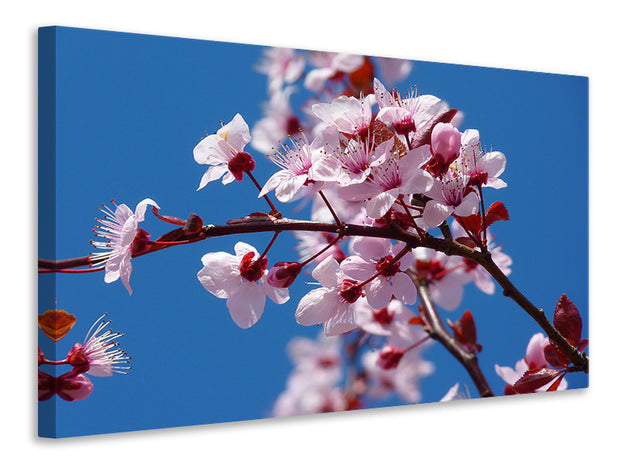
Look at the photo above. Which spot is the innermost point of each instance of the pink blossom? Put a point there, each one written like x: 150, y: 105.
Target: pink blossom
x: 394, y: 177
x: 328, y: 65
x: 534, y: 358
x: 350, y: 115
x: 303, y: 164
x: 483, y: 170
x: 404, y: 380
x: 224, y: 152
x: 449, y: 195
x: 406, y: 114
x: 309, y: 243
x: 374, y: 255
x: 331, y: 303
x: 444, y: 274
x: 383, y: 321
x: 394, y: 69
x: 282, y: 66
x: 120, y: 228
x: 477, y: 273
x: 278, y: 123
x: 99, y: 356
x: 241, y: 279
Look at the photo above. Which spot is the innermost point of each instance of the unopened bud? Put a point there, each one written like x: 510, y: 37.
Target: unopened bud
x: 283, y: 274
x: 72, y: 386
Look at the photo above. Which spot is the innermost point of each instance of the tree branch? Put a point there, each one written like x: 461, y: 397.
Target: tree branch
x: 437, y: 331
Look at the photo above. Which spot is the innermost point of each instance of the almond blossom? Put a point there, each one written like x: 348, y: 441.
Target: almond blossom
x: 120, y: 228
x: 224, y: 151
x: 241, y: 279
x: 383, y: 321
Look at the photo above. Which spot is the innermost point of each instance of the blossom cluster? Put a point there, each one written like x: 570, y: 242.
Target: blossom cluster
x: 355, y: 154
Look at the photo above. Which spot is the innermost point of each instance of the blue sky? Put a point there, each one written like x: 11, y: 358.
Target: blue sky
x: 130, y: 109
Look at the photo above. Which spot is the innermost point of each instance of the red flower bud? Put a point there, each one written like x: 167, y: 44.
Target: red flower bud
x: 283, y: 274
x: 241, y: 163
x: 389, y: 357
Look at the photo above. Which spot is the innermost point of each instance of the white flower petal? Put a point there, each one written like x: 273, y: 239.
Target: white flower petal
x: 246, y: 304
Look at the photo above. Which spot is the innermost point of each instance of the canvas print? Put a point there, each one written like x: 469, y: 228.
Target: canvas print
x: 235, y: 232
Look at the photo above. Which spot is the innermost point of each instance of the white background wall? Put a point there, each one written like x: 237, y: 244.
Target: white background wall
x: 559, y: 37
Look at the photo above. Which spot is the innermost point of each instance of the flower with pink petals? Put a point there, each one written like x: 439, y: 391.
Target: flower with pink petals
x: 449, y: 195
x: 483, y: 170
x: 444, y: 274
x: 282, y: 66
x: 328, y: 65
x: 99, y: 356
x: 224, y: 151
x: 374, y: 255
x: 120, y: 228
x: 383, y: 321
x: 406, y: 114
x: 394, y: 177
x: 241, y: 279
x: 477, y: 273
x: 534, y: 358
x: 331, y: 303
x: 278, y: 123
x: 302, y: 165
x: 350, y: 115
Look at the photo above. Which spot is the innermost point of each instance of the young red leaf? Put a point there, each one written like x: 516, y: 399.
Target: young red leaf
x: 467, y: 242
x: 465, y: 332
x: 496, y: 212
x: 168, y: 219
x: 567, y: 320
x: 555, y: 358
x: 534, y: 379
x: 556, y: 383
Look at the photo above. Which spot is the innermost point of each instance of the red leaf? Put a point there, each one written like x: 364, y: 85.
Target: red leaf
x: 465, y: 331
x: 567, y: 320
x: 555, y: 358
x: 556, y: 383
x: 534, y: 379
x: 496, y: 212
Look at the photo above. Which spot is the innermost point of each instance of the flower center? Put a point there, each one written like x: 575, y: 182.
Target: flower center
x: 350, y: 291
x: 241, y: 163
x: 432, y: 270
x: 383, y: 316
x: 386, y: 268
x: 252, y: 270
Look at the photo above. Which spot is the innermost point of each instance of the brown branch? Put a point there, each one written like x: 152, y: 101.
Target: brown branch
x: 448, y: 247
x: 437, y: 330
